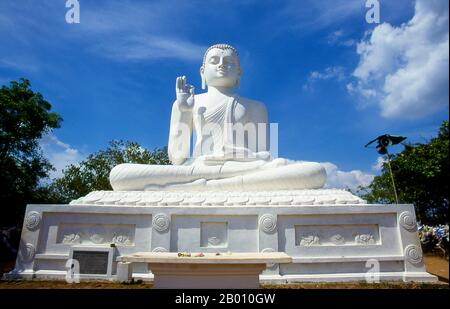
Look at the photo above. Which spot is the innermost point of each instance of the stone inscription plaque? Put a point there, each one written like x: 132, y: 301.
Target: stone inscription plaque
x: 92, y: 262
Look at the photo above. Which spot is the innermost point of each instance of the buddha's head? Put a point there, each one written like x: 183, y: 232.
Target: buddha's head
x: 220, y: 67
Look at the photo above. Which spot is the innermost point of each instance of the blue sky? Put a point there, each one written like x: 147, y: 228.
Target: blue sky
x: 331, y: 80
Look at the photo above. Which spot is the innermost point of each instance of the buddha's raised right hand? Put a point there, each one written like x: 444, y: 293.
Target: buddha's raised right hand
x: 185, y: 94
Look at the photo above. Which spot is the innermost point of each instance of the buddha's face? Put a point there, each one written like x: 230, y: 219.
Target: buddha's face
x: 221, y: 68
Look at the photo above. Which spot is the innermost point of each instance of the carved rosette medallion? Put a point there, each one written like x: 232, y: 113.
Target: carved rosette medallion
x: 413, y: 254
x: 161, y: 222
x: 33, y: 220
x: 407, y: 221
x: 268, y: 223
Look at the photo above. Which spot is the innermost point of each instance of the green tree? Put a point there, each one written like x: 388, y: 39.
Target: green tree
x: 421, y: 173
x: 24, y: 117
x: 93, y: 173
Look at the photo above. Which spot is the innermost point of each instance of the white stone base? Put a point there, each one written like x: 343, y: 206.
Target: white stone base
x: 203, y: 271
x: 207, y: 276
x: 328, y: 241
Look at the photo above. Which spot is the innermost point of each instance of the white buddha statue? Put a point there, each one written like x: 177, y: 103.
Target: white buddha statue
x: 231, y: 141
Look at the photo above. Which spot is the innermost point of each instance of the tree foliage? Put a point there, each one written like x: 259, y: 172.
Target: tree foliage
x: 93, y: 173
x: 24, y: 117
x: 421, y: 173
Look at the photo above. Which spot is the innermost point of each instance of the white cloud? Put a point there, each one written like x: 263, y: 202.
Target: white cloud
x: 335, y: 72
x: 124, y: 31
x: 19, y: 63
x: 146, y: 47
x: 379, y: 164
x: 339, y: 38
x: 329, y: 73
x: 311, y: 15
x: 405, y: 69
x: 345, y: 180
x: 334, y: 37
x: 359, y: 89
x: 348, y: 42
x: 58, y: 153
x: 118, y: 30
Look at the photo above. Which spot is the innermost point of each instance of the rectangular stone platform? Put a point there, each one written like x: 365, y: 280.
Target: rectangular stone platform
x: 328, y: 241
x: 209, y: 271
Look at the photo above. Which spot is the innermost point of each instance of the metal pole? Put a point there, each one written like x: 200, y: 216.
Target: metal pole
x: 392, y: 175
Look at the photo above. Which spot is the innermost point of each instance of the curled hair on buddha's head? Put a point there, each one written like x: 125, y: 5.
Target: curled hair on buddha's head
x: 220, y: 46
x: 224, y: 47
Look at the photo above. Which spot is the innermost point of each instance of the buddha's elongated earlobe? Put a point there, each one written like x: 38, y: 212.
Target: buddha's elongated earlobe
x: 203, y: 78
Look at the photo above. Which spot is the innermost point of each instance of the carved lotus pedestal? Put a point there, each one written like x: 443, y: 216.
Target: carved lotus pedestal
x: 331, y: 235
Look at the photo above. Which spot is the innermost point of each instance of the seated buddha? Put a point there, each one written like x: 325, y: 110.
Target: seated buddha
x: 231, y: 143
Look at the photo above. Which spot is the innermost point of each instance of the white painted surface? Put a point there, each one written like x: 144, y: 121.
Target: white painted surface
x: 251, y: 228
x: 208, y: 271
x: 207, y: 258
x: 124, y: 271
x: 232, y: 147
x: 207, y: 276
x: 221, y: 198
